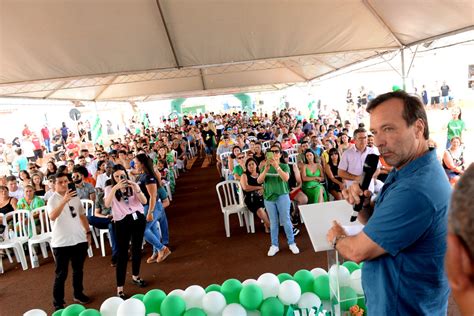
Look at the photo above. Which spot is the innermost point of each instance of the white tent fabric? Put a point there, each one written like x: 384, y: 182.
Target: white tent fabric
x: 150, y: 49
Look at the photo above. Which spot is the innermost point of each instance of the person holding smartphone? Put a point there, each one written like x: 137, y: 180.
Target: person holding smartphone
x: 274, y: 176
x: 126, y: 200
x: 70, y: 239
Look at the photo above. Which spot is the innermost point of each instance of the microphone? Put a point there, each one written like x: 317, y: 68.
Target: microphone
x: 370, y: 166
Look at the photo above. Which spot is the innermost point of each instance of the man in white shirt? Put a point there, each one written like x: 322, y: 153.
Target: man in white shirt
x: 14, y: 190
x: 352, y: 161
x: 70, y: 240
x: 103, y: 177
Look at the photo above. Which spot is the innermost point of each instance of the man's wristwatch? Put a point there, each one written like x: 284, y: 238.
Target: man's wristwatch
x: 336, y: 239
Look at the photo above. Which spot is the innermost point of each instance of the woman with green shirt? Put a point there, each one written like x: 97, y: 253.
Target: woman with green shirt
x: 274, y: 177
x: 456, y: 126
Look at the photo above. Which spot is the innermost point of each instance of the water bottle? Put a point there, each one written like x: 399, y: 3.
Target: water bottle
x: 11, y: 234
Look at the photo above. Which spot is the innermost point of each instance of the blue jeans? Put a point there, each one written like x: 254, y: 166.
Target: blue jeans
x: 445, y: 100
x: 47, y: 144
x: 152, y: 234
x: 105, y: 223
x: 279, y: 212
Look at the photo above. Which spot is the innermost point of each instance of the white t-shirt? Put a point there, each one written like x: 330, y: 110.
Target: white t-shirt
x: 18, y: 194
x: 67, y: 230
x: 101, y: 180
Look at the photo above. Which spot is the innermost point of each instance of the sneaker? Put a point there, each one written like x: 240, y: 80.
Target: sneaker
x: 163, y: 254
x: 139, y: 282
x: 294, y: 249
x: 296, y: 231
x: 122, y: 295
x: 82, y: 299
x: 272, y: 251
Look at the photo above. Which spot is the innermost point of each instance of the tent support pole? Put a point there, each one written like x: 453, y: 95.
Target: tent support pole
x: 412, y: 60
x: 402, y: 52
x: 202, y: 80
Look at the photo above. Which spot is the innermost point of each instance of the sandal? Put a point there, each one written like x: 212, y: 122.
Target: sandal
x: 122, y: 295
x: 152, y: 259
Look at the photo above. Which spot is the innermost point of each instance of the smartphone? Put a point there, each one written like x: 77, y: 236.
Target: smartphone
x: 71, y: 186
x: 269, y: 155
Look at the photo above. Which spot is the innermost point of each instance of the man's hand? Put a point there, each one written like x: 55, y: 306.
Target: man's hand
x: 353, y: 193
x: 69, y: 195
x: 334, y: 231
x: 89, y: 239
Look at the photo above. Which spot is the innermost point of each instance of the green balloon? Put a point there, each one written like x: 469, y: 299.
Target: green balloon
x: 305, y: 279
x: 348, y: 298
x: 251, y: 296
x: 321, y: 287
x: 173, y: 306
x: 231, y: 290
x: 195, y: 312
x: 139, y: 296
x: 361, y: 303
x: 361, y: 264
x: 351, y: 266
x: 59, y: 312
x: 272, y: 307
x: 153, y: 300
x: 90, y: 312
x: 213, y: 287
x: 396, y: 88
x: 284, y: 276
x: 73, y: 310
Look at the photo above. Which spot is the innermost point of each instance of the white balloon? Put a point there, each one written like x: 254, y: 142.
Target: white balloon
x: 234, y: 310
x: 318, y: 271
x: 153, y: 314
x: 131, y: 307
x: 309, y: 300
x: 213, y: 302
x: 343, y: 274
x: 356, y: 281
x: 177, y: 292
x: 250, y: 281
x: 193, y: 296
x: 35, y: 312
x: 269, y: 284
x: 289, y: 292
x: 110, y: 306
x: 253, y: 313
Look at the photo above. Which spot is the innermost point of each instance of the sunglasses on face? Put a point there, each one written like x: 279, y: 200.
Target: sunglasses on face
x: 240, y: 157
x: 276, y: 151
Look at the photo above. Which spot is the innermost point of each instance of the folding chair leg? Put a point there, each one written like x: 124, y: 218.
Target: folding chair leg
x: 246, y: 219
x: 7, y: 251
x: 94, y: 237
x: 89, y: 252
x: 251, y: 222
x: 102, y: 244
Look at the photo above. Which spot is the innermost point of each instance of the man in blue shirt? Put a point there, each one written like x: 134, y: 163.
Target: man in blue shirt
x: 404, y: 241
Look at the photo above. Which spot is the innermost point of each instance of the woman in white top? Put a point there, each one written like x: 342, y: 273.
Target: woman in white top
x: 126, y: 200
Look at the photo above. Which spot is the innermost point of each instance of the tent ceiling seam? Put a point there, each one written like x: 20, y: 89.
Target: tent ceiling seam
x: 170, y: 42
x: 382, y: 22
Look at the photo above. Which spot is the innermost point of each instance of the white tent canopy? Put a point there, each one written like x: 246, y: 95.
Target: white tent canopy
x: 140, y: 50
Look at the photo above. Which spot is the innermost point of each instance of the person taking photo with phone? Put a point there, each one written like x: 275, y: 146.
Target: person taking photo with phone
x: 274, y: 176
x: 70, y: 240
x: 126, y: 200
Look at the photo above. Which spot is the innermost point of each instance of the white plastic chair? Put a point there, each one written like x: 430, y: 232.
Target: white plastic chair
x: 232, y: 202
x: 293, y: 158
x: 19, y: 221
x: 168, y: 189
x: 43, y: 237
x: 291, y: 151
x: 88, y: 205
x: 265, y: 145
x: 225, y: 159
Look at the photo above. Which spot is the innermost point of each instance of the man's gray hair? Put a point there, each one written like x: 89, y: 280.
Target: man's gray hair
x: 461, y: 214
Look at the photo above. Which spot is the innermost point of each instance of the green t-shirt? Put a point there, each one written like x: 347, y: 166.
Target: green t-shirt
x: 274, y: 186
x: 455, y: 128
x: 238, y: 170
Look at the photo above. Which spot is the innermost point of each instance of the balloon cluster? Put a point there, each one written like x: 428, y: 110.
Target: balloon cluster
x: 269, y: 295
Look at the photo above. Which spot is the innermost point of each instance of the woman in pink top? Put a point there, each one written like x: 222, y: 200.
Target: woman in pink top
x: 126, y: 200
